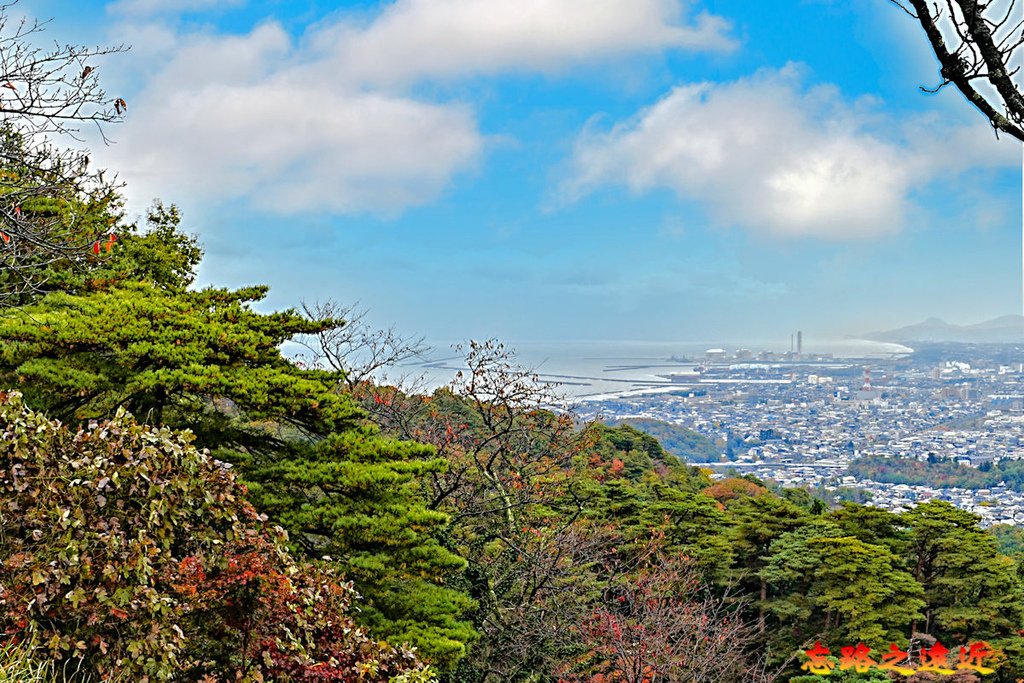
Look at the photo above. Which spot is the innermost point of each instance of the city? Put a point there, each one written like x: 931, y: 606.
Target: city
x: 802, y: 420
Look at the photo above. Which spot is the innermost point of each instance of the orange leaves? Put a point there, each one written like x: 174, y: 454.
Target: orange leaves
x: 97, y: 246
x: 120, y: 105
x: 734, y: 487
x: 3, y: 235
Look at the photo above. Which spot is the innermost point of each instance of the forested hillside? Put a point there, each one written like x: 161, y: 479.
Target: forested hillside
x: 684, y: 443
x: 498, y: 539
x: 940, y: 473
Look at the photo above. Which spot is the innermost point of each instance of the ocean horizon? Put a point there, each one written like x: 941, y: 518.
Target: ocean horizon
x: 589, y: 368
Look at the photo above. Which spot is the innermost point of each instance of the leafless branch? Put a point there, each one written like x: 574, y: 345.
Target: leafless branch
x: 659, y: 621
x: 46, y: 191
x: 356, y: 348
x: 983, y: 52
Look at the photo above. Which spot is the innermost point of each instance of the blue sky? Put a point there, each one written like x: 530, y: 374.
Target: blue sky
x: 567, y: 169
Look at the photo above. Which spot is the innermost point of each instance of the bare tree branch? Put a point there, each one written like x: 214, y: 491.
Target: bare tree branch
x: 356, y: 348
x: 983, y: 52
x: 47, y: 192
x: 659, y: 621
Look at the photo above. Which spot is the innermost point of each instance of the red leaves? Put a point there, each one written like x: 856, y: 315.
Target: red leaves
x: 3, y: 235
x: 108, y: 244
x: 728, y: 489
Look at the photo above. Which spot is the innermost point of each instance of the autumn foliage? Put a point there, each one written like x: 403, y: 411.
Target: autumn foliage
x: 128, y: 552
x: 733, y: 488
x: 660, y: 622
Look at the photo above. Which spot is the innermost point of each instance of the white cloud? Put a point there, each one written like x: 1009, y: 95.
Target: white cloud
x: 414, y: 39
x: 770, y: 155
x: 229, y: 118
x: 326, y: 122
x: 293, y: 149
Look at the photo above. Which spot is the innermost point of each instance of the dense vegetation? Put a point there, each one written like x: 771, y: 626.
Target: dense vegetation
x: 502, y: 541
x: 683, y: 443
x: 134, y: 556
x: 940, y: 473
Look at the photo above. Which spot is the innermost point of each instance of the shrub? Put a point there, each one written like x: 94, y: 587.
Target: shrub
x: 125, y: 551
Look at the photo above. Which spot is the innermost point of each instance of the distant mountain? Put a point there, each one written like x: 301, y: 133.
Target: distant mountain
x: 1007, y: 329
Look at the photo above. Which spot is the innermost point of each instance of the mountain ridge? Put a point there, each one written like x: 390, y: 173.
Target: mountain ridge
x: 1004, y: 329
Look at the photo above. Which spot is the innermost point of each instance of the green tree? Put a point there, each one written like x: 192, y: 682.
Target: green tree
x: 203, y: 360
x: 692, y: 524
x: 160, y: 254
x: 685, y: 444
x: 1010, y: 539
x: 865, y: 594
x: 134, y: 336
x: 835, y: 588
x: 789, y: 571
x: 757, y: 522
x: 353, y: 497
x: 804, y: 499
x: 972, y: 590
x: 872, y: 525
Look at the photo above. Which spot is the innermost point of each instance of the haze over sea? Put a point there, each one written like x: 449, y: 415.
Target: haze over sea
x: 593, y: 369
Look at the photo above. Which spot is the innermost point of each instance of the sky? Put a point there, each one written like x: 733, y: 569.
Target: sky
x: 551, y: 170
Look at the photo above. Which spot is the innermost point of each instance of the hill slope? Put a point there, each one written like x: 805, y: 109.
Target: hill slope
x: 1005, y: 329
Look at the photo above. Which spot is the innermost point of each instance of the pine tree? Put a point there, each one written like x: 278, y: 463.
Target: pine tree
x: 203, y: 360
x: 872, y: 525
x: 133, y: 335
x: 789, y: 572
x: 757, y: 522
x: 865, y: 594
x: 830, y: 586
x: 973, y: 591
x: 353, y: 497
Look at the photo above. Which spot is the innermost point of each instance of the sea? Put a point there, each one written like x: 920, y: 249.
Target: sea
x: 592, y: 370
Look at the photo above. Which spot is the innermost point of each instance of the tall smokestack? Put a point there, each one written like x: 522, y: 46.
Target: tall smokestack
x: 800, y: 343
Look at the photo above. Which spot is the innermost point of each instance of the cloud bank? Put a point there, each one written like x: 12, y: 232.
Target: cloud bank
x: 414, y: 39
x: 330, y: 121
x: 768, y: 154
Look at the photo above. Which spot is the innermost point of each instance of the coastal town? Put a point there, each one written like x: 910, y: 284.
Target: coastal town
x: 805, y: 420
